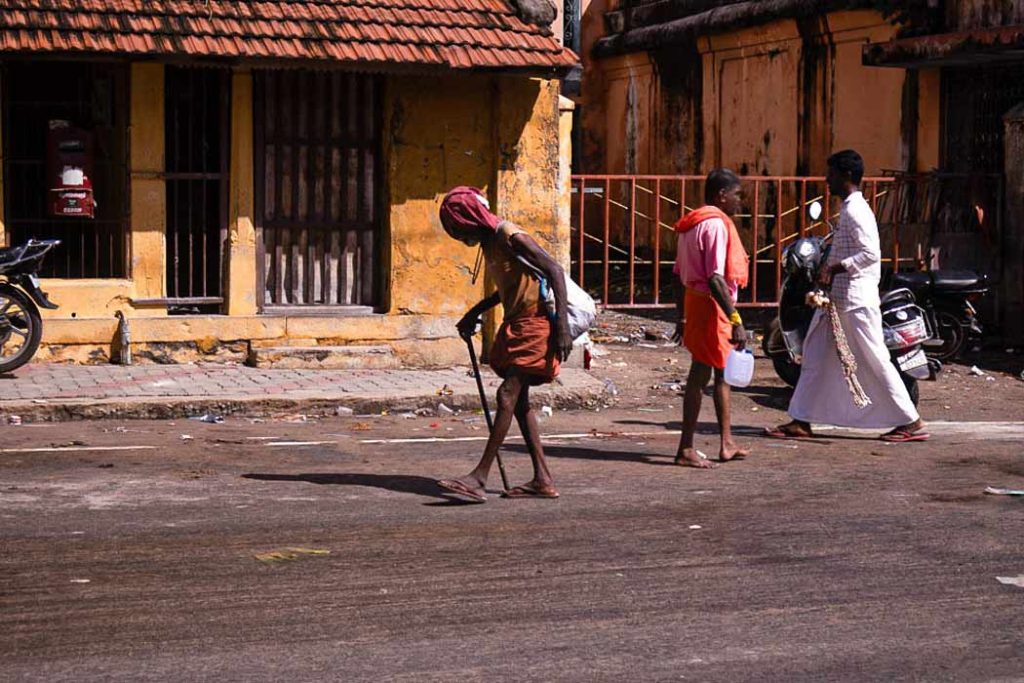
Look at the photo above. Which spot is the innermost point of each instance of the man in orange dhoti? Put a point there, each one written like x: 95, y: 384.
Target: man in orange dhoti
x: 529, y: 346
x: 712, y: 265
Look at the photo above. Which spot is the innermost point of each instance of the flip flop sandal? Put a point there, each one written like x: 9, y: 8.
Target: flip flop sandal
x: 780, y: 434
x: 903, y: 436
x: 527, y: 492
x: 461, y: 491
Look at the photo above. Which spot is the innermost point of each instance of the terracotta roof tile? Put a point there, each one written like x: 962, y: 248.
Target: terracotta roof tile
x: 455, y: 33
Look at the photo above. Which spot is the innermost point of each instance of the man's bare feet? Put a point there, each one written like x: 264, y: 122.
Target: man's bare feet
x: 691, y: 457
x: 730, y: 451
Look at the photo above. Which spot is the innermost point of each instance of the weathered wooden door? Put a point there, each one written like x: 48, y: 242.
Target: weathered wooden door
x: 318, y: 187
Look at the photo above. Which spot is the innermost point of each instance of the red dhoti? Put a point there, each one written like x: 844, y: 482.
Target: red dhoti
x: 524, y: 344
x: 708, y: 333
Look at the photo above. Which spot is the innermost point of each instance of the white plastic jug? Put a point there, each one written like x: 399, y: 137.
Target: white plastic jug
x: 739, y: 368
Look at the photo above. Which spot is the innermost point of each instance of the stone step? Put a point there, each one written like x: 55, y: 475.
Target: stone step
x: 324, y: 357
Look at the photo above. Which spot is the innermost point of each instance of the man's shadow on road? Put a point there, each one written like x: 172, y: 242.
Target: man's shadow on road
x: 399, y: 483
x: 579, y: 453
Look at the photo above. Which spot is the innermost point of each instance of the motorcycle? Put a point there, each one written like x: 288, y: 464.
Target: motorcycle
x: 946, y: 296
x: 21, y: 326
x: 903, y: 322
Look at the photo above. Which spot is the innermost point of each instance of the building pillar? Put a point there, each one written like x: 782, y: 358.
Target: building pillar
x: 1012, y: 276
x: 241, y: 252
x: 3, y: 227
x: 566, y: 110
x: 148, y: 189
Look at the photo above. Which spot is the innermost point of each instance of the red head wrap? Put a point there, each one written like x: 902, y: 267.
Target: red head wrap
x: 464, y: 212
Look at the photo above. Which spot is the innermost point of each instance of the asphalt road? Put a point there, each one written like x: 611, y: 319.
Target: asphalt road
x: 846, y: 559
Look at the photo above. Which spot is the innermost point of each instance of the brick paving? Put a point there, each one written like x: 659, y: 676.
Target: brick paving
x: 51, y: 391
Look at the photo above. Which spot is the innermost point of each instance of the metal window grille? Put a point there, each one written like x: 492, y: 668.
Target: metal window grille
x: 89, y: 95
x: 318, y: 171
x: 197, y: 105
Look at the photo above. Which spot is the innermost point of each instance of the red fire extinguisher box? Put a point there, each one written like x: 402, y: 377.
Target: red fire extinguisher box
x: 69, y: 160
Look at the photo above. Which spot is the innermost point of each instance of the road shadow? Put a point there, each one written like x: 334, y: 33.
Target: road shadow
x: 579, y: 453
x: 399, y: 483
x: 768, y: 396
x: 677, y: 425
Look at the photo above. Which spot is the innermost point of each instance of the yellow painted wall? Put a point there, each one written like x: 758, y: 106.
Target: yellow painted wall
x: 240, y: 297
x: 440, y: 134
x: 750, y: 99
x: 148, y: 189
x: 868, y: 101
x: 630, y: 113
x: 500, y: 134
x: 528, y: 188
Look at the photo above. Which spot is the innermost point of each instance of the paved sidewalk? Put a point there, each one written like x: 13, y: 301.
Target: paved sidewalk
x: 62, y: 392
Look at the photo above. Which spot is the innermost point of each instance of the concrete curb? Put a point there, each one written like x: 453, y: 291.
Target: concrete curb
x: 313, y: 404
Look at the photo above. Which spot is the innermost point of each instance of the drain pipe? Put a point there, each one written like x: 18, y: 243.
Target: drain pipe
x: 124, y: 339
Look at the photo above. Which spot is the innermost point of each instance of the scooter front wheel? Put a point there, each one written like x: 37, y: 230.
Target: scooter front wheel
x: 21, y: 328
x: 775, y: 348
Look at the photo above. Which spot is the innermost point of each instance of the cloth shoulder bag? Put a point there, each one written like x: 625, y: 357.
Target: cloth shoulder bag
x: 581, y: 309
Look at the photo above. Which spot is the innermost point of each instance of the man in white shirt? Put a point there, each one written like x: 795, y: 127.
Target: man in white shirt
x: 854, y: 270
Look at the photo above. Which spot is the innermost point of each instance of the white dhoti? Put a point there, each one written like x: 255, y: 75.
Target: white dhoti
x: 822, y: 395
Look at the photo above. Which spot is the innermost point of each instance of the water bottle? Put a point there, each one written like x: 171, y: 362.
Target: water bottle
x: 739, y: 368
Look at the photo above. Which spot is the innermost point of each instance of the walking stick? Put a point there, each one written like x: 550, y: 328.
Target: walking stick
x: 483, y: 402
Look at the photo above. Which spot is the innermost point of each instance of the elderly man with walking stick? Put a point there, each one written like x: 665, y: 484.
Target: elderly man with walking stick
x: 529, y: 346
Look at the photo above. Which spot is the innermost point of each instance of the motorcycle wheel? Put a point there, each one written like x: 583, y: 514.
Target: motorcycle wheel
x: 21, y: 328
x: 785, y: 368
x: 952, y: 334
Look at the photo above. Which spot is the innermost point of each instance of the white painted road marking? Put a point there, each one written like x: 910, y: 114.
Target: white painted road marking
x: 68, y: 449
x: 987, y: 431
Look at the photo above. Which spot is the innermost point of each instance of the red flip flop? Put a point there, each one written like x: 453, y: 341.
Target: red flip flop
x: 525, y: 491
x: 904, y: 436
x: 780, y: 434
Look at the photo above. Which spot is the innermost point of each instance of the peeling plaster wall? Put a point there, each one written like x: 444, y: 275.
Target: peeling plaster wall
x: 500, y: 134
x: 772, y: 99
x: 530, y: 190
x: 440, y: 134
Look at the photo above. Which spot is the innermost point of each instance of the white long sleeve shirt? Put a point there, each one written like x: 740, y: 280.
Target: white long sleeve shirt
x: 856, y: 246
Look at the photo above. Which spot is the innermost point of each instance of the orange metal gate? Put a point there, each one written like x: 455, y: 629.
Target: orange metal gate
x: 624, y: 244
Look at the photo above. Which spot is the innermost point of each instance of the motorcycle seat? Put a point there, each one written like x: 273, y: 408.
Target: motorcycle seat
x: 957, y: 280
x: 940, y: 281
x: 915, y: 282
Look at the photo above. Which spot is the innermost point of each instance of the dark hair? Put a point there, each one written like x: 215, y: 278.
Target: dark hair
x: 848, y: 162
x: 718, y: 180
